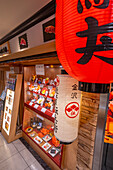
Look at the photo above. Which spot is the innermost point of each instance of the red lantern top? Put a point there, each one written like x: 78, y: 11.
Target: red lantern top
x: 84, y: 39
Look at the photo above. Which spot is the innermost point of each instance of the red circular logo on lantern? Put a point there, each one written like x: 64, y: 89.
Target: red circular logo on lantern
x: 57, y: 81
x: 72, y: 109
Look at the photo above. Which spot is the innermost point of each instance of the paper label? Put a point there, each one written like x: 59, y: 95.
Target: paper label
x: 28, y: 83
x: 35, y: 84
x: 43, y: 110
x: 36, y: 106
x: 40, y: 69
x: 30, y: 104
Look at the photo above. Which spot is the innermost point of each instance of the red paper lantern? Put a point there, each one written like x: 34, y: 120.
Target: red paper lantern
x: 84, y: 39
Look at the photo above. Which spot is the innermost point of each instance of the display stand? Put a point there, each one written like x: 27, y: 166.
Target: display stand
x: 11, y: 108
x: 39, y: 114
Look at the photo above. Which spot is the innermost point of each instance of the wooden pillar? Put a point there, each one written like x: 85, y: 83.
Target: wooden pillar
x: 87, y: 130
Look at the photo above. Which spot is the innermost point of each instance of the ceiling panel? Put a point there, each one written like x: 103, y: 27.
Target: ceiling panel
x: 14, y: 12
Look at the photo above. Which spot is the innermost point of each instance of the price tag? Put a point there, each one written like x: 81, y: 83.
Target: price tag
x: 39, y: 90
x: 35, y: 84
x: 40, y: 117
x: 34, y: 94
x: 28, y: 92
x: 53, y: 115
x: 51, y: 82
x: 41, y: 104
x: 33, y: 100
x: 43, y: 81
x: 28, y: 83
x: 43, y: 110
x: 41, y: 85
x: 51, y: 108
x: 30, y: 104
x: 50, y: 87
x: 49, y: 99
x: 55, y: 96
x: 36, y: 106
x: 46, y: 93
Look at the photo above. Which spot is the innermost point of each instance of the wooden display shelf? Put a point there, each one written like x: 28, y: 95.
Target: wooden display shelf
x: 41, y: 94
x: 40, y: 112
x: 41, y: 153
x: 57, y: 158
x: 33, y: 83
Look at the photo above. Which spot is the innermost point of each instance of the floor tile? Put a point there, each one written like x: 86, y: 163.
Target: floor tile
x: 36, y: 166
x: 28, y: 157
x: 6, y: 151
x: 3, y: 138
x: 28, y: 168
x: 37, y: 157
x: 19, y: 145
x: 15, y: 162
x: 2, y: 142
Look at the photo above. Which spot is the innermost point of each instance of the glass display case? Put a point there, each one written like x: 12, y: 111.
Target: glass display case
x: 39, y: 114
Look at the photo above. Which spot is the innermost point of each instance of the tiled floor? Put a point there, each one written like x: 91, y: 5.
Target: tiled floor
x: 16, y: 156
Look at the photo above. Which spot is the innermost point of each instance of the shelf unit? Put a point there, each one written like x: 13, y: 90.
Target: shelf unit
x: 55, y: 159
x: 33, y: 110
x: 46, y: 114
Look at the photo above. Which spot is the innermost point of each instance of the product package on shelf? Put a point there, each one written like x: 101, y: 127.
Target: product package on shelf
x: 43, y: 135
x: 41, y: 95
x: 39, y: 113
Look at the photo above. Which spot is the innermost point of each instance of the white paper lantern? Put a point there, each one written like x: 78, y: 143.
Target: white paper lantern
x: 67, y: 109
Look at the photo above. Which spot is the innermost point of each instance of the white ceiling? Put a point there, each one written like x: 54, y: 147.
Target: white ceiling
x: 14, y: 12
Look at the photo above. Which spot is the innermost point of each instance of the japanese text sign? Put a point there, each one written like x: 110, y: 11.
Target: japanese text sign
x: 84, y: 39
x: 67, y: 108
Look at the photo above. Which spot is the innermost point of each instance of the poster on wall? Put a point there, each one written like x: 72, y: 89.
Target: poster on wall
x: 8, y: 110
x: 40, y: 69
x: 23, y: 42
x: 49, y: 30
x: 109, y: 122
x: 5, y: 49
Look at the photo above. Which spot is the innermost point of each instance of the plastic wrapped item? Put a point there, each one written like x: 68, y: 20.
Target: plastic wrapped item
x: 52, y: 92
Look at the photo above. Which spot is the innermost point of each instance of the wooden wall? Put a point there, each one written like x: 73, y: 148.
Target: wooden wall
x: 79, y: 154
x: 3, y: 70
x: 49, y: 72
x: 87, y: 130
x: 2, y: 82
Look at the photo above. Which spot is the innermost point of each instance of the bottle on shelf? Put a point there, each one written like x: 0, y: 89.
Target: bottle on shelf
x: 34, y: 125
x: 31, y: 121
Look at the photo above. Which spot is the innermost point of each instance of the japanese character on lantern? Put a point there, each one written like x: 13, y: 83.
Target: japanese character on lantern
x: 88, y: 5
x: 93, y: 25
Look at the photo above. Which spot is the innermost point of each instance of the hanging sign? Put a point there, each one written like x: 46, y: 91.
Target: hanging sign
x: 84, y: 33
x: 67, y: 109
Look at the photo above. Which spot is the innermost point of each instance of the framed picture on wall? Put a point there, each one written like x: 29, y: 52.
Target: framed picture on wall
x: 49, y: 30
x: 23, y: 42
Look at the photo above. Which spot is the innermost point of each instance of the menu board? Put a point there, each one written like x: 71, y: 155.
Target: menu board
x: 8, y: 110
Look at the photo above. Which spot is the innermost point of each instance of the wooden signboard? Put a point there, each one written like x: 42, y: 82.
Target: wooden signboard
x: 11, y: 109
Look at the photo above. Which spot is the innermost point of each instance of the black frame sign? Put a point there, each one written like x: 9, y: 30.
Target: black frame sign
x: 5, y: 49
x: 23, y: 42
x: 49, y: 30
